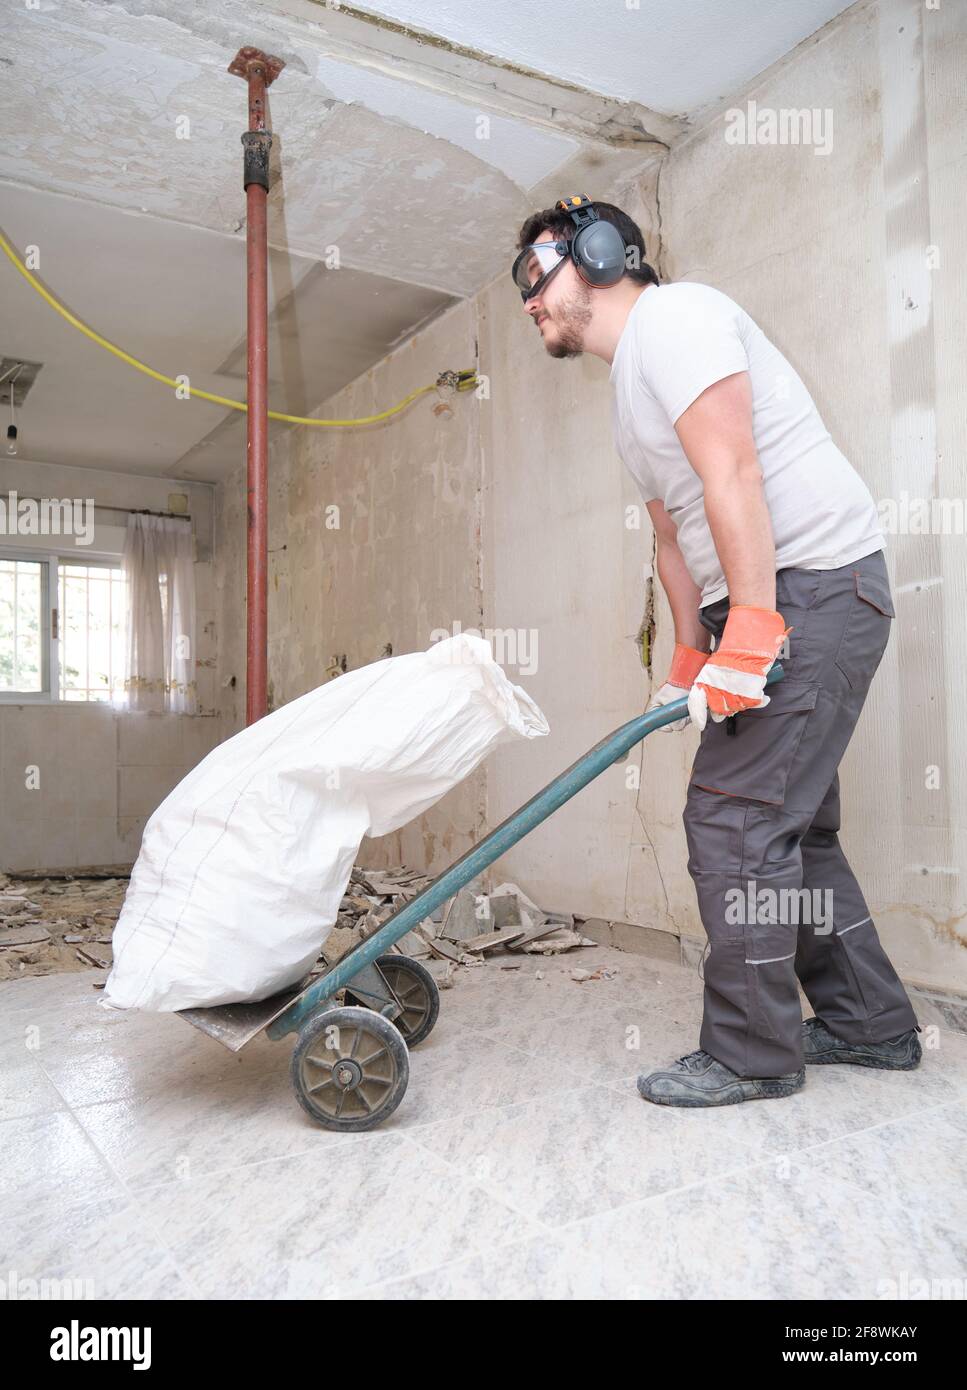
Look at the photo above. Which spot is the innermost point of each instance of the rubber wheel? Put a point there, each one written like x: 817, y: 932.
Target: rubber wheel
x: 350, y: 1068
x: 416, y: 990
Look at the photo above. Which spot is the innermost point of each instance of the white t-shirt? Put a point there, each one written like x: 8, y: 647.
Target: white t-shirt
x: 679, y: 340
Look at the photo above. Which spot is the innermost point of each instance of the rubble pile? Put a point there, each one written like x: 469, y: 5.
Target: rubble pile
x: 58, y: 922
x: 62, y: 922
x: 466, y: 930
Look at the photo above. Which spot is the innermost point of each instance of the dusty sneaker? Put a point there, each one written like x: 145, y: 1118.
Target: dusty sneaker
x: 699, y: 1079
x: 823, y: 1047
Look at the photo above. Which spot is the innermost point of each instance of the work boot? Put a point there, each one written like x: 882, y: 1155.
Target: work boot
x: 699, y: 1079
x: 823, y: 1047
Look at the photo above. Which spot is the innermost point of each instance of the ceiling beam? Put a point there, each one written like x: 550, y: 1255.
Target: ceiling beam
x: 480, y: 79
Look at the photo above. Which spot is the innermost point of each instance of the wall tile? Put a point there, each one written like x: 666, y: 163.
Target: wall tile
x: 200, y: 735
x: 129, y: 832
x: 97, y: 841
x: 150, y: 740
x: 142, y: 789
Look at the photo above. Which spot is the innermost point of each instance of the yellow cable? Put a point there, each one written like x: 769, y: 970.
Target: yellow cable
x: 465, y: 380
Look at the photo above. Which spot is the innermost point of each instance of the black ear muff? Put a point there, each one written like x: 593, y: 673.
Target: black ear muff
x: 598, y: 252
x: 597, y: 247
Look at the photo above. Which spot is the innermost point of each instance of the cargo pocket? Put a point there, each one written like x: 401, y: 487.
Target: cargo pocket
x: 867, y: 630
x: 756, y: 760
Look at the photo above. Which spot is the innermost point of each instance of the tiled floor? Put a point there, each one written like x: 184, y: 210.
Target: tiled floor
x: 140, y: 1155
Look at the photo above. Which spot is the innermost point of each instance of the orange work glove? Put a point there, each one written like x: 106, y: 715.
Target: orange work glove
x: 734, y: 677
x: 686, y: 664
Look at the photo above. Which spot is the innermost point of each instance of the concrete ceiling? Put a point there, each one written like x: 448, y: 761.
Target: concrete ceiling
x: 413, y: 156
x: 676, y: 58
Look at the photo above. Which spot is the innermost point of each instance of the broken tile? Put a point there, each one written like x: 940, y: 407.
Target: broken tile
x: 561, y: 940
x: 23, y: 936
x: 537, y: 916
x: 468, y: 915
x: 489, y: 941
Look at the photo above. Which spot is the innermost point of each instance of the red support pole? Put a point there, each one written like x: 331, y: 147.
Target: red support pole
x: 259, y: 70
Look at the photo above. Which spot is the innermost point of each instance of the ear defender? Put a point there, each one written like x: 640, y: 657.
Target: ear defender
x: 597, y: 248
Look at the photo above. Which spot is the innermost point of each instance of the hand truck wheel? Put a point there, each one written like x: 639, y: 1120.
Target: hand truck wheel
x: 349, y: 1068
x: 416, y: 990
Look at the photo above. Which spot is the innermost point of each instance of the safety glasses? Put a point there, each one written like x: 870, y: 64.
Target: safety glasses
x: 547, y: 257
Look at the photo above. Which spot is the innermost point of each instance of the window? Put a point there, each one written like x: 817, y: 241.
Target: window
x: 91, y: 628
x: 23, y: 625
x: 62, y: 628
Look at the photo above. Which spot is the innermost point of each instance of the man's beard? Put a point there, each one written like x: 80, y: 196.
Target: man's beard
x: 571, y: 318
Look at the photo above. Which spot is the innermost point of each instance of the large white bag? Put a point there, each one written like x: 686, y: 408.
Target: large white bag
x: 242, y: 868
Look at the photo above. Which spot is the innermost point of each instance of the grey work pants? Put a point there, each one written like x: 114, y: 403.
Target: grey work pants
x: 776, y: 894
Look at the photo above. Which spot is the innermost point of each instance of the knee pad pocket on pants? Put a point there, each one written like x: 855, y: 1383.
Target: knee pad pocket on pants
x: 714, y: 831
x: 715, y: 834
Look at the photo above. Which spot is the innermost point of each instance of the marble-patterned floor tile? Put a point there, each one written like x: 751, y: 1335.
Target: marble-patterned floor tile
x: 196, y: 1129
x: 573, y: 1154
x: 49, y: 1153
x: 520, y: 1164
x: 25, y: 1088
x: 157, y: 1054
x: 36, y: 990
x: 609, y: 1042
x: 632, y: 978
x: 945, y: 1053
x: 488, y: 1006
x: 324, y: 1225
x: 915, y: 1163
x: 458, y: 1071
x: 80, y: 1024
x: 102, y: 1246
x: 944, y: 1012
x: 771, y: 1234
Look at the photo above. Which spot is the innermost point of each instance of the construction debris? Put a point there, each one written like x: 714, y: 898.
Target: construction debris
x: 471, y: 926
x: 489, y: 941
x: 63, y: 921
x: 442, y: 972
x: 467, y: 917
x: 582, y: 976
x: 101, y: 960
x: 52, y: 922
x: 24, y: 936
x: 554, y: 945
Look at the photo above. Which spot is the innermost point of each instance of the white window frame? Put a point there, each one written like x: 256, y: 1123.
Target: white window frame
x: 50, y: 665
x: 50, y: 645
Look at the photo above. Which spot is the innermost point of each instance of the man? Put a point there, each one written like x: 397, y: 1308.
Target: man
x: 768, y: 541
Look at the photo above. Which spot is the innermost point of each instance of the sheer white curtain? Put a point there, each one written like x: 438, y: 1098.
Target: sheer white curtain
x: 160, y: 650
